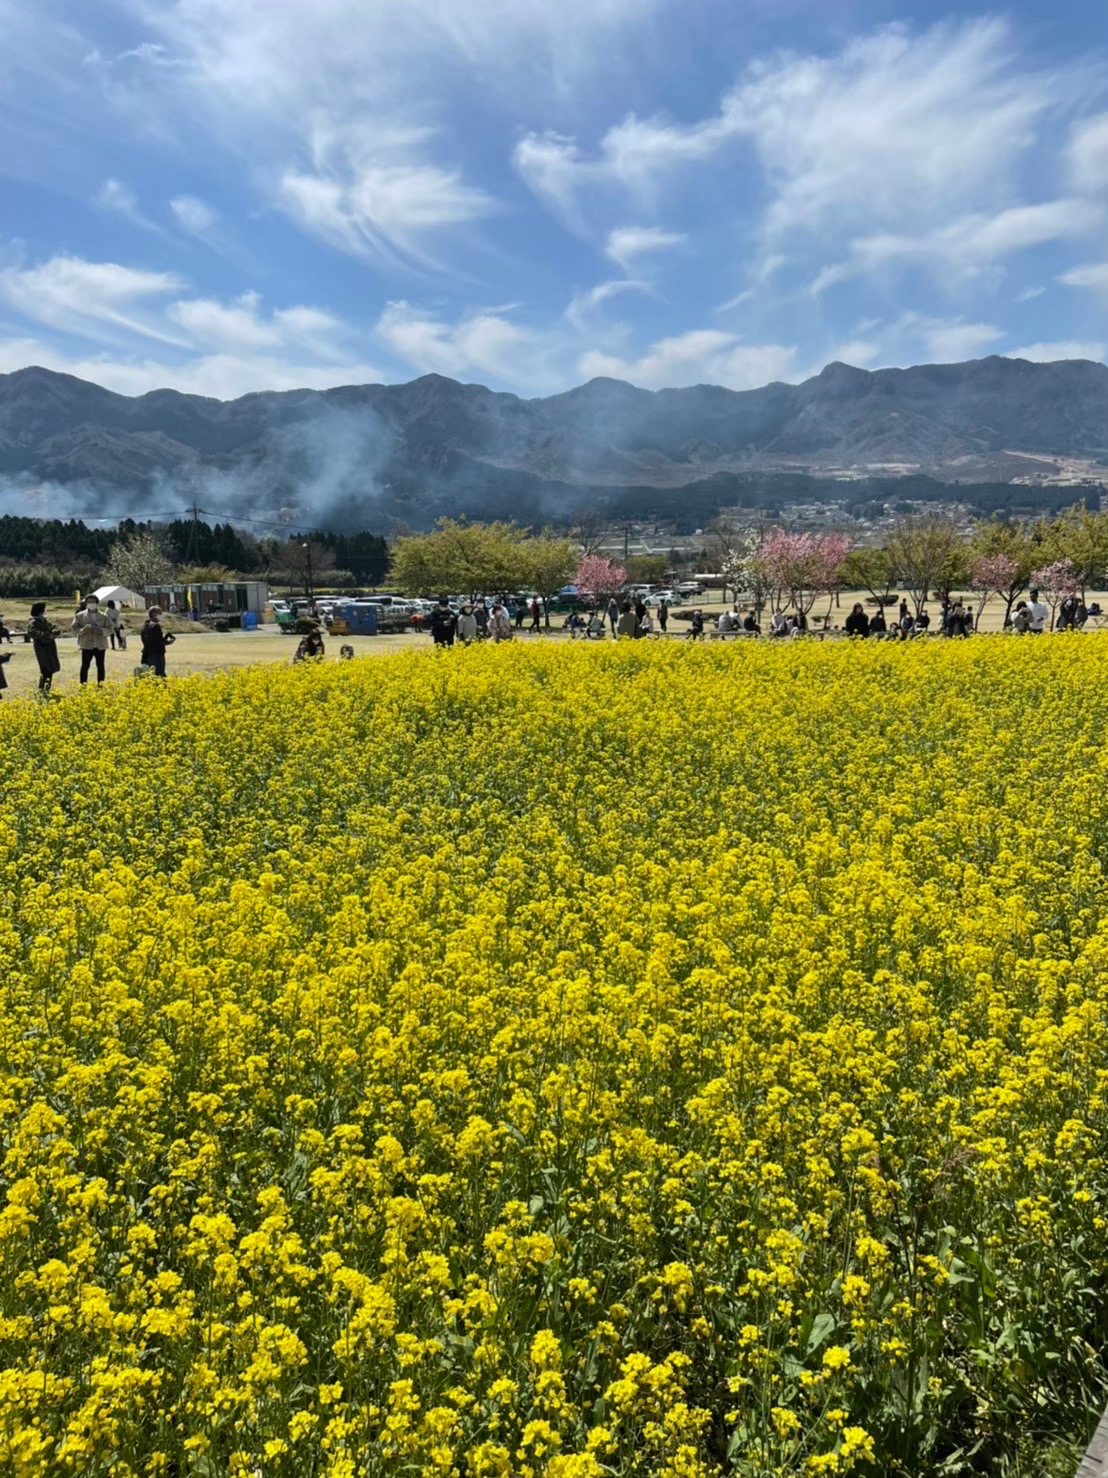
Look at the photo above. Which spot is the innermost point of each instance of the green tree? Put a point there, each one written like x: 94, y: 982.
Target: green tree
x: 928, y: 554
x: 646, y: 569
x: 1081, y: 537
x: 457, y: 557
x: 550, y: 563
x: 870, y: 568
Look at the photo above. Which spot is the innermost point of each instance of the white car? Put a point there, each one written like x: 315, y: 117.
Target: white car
x: 670, y: 596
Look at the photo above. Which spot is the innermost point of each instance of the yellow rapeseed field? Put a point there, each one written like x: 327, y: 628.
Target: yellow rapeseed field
x: 558, y: 1061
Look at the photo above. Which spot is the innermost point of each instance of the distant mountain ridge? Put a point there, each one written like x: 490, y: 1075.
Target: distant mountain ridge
x: 414, y: 450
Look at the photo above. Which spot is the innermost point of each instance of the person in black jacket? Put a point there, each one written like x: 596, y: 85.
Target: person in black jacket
x: 857, y: 623
x: 45, y: 639
x: 155, y: 639
x: 877, y: 626
x: 444, y: 623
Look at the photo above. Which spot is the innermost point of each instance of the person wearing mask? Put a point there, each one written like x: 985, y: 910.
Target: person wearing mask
x: 696, y: 626
x: 443, y: 623
x: 1067, y: 613
x: 613, y: 614
x: 923, y: 620
x: 877, y: 626
x: 1037, y: 614
x: 44, y: 637
x: 500, y: 626
x: 93, y: 627
x: 1021, y: 618
x: 857, y: 623
x: 663, y: 615
x: 155, y: 639
x: 467, y: 628
x: 481, y: 616
x: 112, y: 611
x: 627, y: 624
x: 646, y: 624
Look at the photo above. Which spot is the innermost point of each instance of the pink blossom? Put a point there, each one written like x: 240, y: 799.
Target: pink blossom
x: 799, y: 567
x: 598, y: 576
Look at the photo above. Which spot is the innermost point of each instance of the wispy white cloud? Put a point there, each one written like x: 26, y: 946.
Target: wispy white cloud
x: 899, y: 125
x: 369, y: 191
x: 223, y: 376
x: 701, y: 356
x: 1088, y: 155
x: 627, y: 243
x: 488, y: 345
x: 1093, y: 275
x: 582, y: 307
x: 195, y: 216
x: 121, y: 200
x: 1060, y: 349
x: 952, y: 341
x: 82, y: 297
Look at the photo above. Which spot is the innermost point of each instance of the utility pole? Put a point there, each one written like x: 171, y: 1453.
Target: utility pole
x: 194, y: 532
x: 308, y: 588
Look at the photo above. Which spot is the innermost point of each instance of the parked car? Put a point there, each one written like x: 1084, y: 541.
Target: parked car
x: 672, y: 596
x: 690, y: 588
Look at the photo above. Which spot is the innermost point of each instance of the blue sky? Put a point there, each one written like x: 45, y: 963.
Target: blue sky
x: 234, y: 195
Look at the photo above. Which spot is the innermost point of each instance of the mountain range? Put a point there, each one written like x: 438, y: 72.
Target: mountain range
x: 373, y: 454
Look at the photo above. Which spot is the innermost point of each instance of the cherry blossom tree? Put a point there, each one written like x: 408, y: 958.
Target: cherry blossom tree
x: 1055, y: 582
x: 598, y: 577
x: 799, y: 567
x: 992, y: 574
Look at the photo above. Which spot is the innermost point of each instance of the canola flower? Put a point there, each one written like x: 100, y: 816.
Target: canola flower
x: 559, y: 1062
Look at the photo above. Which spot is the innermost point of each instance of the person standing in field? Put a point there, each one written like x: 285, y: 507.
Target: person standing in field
x: 93, y: 627
x: 443, y: 623
x: 500, y: 623
x: 111, y: 611
x: 857, y: 623
x: 1037, y: 613
x: 467, y: 625
x: 613, y: 614
x: 663, y: 615
x: 521, y: 612
x: 536, y: 615
x: 1021, y: 618
x: 627, y: 625
x: 44, y: 637
x: 155, y: 639
x: 481, y: 616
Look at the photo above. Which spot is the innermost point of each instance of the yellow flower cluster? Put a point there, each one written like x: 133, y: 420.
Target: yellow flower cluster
x: 560, y: 1061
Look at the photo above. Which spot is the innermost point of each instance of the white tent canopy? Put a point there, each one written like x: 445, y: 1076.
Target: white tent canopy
x: 120, y: 594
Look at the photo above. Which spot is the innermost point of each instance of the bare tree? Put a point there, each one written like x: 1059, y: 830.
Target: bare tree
x: 590, y: 529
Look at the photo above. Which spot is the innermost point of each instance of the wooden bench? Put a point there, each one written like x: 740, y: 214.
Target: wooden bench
x: 1095, y: 1462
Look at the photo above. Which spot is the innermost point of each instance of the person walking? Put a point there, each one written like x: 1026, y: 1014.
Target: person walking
x: 155, y: 639
x: 44, y: 637
x: 111, y: 611
x: 467, y: 625
x: 536, y: 615
x: 444, y: 623
x: 93, y: 627
x: 613, y: 614
x: 500, y: 623
x: 663, y: 615
x: 521, y: 612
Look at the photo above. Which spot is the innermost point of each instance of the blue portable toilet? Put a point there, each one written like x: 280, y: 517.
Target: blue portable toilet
x: 362, y: 620
x: 249, y: 620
